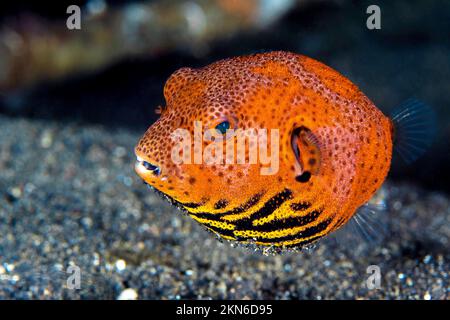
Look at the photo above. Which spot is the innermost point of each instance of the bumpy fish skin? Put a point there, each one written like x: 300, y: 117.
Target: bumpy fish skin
x: 276, y: 90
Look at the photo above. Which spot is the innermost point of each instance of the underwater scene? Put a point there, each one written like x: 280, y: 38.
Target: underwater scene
x: 225, y: 150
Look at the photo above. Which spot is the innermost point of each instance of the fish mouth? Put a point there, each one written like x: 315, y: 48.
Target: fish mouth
x: 144, y: 167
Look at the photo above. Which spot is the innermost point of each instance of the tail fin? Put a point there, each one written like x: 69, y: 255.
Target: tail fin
x: 414, y: 129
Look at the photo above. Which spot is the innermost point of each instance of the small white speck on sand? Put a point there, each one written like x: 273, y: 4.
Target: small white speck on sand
x: 120, y: 265
x: 128, y: 294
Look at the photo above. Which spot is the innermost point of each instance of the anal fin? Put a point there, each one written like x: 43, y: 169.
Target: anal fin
x: 367, y: 228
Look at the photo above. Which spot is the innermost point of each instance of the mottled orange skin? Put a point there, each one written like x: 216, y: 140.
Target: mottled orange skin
x: 279, y: 90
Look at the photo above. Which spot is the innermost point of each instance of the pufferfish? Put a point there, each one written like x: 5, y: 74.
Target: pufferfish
x: 335, y: 148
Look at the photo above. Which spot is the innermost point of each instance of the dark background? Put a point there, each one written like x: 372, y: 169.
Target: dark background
x: 408, y: 57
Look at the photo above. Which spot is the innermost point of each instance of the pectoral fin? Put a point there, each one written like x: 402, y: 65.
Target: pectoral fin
x: 306, y: 148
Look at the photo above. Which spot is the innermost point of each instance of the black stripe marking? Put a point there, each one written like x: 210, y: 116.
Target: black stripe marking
x: 221, y: 232
x: 300, y: 206
x: 176, y: 203
x: 287, y: 223
x: 192, y: 205
x: 217, y: 216
x: 222, y: 203
x: 269, y: 207
x: 308, y: 232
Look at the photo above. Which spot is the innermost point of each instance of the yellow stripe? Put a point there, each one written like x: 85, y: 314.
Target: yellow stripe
x: 196, y: 210
x: 274, y: 234
x: 249, y: 212
x: 217, y: 224
x: 223, y: 236
x: 284, y: 212
x: 292, y: 242
x: 209, y: 209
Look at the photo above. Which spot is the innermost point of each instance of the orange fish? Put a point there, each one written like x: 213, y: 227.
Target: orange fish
x: 335, y: 147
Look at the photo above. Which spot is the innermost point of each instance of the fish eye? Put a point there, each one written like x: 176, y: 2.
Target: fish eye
x: 150, y: 167
x: 223, y: 127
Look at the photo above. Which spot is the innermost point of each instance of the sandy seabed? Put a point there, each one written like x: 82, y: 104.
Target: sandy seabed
x: 69, y: 196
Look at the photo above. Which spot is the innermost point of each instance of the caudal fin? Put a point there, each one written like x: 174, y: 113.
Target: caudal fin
x: 414, y: 129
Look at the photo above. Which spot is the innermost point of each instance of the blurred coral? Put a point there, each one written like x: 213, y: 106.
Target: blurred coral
x: 33, y: 49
